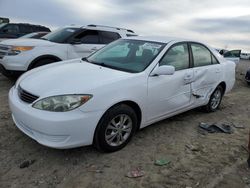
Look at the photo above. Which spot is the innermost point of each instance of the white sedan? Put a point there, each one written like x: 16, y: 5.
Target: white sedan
x: 129, y: 84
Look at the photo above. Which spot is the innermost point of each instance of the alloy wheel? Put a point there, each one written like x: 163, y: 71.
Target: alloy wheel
x: 118, y: 130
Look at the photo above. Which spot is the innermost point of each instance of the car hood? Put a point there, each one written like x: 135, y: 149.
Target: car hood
x: 27, y: 42
x: 74, y: 77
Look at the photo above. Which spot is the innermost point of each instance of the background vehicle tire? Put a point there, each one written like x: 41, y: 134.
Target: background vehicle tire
x: 215, y: 100
x: 116, y: 128
x: 43, y: 62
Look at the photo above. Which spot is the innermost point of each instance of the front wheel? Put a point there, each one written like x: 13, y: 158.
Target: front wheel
x: 43, y: 62
x: 115, y: 128
x: 215, y: 100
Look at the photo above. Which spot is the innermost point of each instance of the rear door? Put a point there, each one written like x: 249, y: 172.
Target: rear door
x: 207, y: 72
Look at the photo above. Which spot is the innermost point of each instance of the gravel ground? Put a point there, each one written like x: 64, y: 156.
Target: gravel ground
x: 196, y: 159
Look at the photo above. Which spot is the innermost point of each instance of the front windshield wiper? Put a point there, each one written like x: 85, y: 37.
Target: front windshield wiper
x: 100, y: 64
x: 107, y: 66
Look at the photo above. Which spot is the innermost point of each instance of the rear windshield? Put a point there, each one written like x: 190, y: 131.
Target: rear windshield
x: 60, y: 35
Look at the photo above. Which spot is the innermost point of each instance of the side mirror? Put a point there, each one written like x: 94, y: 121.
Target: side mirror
x: 163, y: 70
x: 76, y: 41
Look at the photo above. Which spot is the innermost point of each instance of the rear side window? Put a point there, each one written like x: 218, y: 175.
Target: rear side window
x: 89, y: 37
x: 36, y: 29
x: 201, y: 55
x: 25, y: 29
x: 107, y: 37
x: 42, y: 29
x: 177, y: 56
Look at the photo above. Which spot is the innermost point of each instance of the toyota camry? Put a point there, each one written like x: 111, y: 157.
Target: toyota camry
x: 129, y: 84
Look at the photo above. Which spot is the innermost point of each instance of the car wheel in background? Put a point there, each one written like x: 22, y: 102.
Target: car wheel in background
x: 116, y: 128
x: 215, y: 100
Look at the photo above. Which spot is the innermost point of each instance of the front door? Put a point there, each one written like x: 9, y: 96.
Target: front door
x: 170, y: 93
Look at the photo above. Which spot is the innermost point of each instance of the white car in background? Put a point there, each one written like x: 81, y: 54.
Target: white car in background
x: 245, y: 56
x: 127, y: 85
x: 20, y: 55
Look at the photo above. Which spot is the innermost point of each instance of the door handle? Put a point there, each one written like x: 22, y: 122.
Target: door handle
x: 94, y: 49
x: 188, y: 77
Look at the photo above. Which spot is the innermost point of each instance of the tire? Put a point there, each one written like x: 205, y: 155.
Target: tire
x: 43, y: 62
x: 215, y: 99
x: 110, y: 135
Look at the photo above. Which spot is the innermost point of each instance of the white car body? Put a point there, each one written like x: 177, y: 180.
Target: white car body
x: 2, y: 39
x: 158, y: 97
x: 46, y: 49
x: 245, y: 56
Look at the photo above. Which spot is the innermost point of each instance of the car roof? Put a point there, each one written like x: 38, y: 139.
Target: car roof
x: 103, y: 28
x: 162, y: 39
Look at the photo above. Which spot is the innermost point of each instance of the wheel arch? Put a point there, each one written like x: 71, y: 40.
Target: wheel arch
x: 130, y: 103
x: 42, y: 57
x: 224, y: 86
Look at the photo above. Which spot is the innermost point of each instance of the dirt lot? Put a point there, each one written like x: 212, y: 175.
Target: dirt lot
x: 216, y: 160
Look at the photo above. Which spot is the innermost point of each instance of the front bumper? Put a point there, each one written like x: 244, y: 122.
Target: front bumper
x: 59, y: 130
x: 18, y: 62
x: 9, y: 73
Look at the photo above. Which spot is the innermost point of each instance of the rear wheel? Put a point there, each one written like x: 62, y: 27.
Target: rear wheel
x: 215, y: 100
x: 115, y: 128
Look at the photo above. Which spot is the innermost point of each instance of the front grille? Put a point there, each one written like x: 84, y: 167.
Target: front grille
x: 26, y: 96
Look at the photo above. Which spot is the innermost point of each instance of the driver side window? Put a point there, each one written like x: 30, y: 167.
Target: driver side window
x: 177, y: 56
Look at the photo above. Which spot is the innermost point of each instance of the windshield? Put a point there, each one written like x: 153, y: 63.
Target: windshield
x: 2, y: 25
x: 60, y: 35
x: 127, y: 55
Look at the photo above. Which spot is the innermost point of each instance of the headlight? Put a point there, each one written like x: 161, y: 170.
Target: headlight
x: 61, y: 103
x: 18, y: 49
